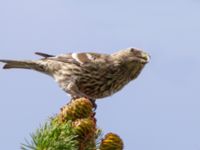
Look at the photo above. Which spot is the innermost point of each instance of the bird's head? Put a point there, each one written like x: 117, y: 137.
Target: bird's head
x: 132, y: 60
x: 131, y: 55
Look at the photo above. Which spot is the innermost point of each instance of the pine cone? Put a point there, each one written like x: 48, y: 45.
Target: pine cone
x: 85, y: 128
x: 111, y: 142
x: 76, y: 109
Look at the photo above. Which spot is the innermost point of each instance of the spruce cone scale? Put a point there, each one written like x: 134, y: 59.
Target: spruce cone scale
x: 112, y: 142
x: 76, y: 109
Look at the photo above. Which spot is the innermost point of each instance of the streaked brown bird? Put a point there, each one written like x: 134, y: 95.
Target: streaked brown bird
x: 89, y: 75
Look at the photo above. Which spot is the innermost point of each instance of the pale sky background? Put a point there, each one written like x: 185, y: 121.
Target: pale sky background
x: 158, y: 111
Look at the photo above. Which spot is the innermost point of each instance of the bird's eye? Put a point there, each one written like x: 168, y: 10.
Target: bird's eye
x: 132, y: 50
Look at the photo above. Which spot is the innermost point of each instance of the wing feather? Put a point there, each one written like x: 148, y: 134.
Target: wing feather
x: 81, y: 58
x: 44, y: 54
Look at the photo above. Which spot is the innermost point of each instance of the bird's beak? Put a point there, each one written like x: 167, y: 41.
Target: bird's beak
x: 145, y: 57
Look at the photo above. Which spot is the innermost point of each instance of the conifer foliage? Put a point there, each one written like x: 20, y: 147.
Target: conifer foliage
x: 74, y: 128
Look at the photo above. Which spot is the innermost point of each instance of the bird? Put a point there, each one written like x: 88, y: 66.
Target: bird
x: 88, y: 74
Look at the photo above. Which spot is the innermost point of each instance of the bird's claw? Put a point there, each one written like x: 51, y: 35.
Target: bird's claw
x: 93, y: 103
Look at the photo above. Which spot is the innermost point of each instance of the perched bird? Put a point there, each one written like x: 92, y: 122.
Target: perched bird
x: 89, y: 75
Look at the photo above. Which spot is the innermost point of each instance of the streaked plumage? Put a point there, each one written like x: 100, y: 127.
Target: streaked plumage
x: 90, y: 75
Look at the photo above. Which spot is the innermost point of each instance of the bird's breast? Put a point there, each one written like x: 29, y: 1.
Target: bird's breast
x: 102, y: 84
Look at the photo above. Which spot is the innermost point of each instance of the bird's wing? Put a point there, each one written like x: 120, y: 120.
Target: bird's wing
x: 81, y: 58
x: 44, y: 54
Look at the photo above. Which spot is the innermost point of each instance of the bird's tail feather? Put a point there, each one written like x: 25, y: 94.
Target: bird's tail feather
x: 19, y: 64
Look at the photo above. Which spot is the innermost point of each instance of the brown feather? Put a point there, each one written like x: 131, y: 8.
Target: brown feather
x: 19, y: 64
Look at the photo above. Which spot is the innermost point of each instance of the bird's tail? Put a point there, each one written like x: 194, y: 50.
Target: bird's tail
x: 20, y: 64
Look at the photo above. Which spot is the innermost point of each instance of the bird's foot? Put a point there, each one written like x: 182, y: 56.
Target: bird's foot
x: 93, y: 103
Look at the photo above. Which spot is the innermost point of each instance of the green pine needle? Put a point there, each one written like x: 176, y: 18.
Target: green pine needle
x: 53, y: 137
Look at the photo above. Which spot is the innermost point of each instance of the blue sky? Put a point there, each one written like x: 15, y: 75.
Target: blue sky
x: 159, y: 110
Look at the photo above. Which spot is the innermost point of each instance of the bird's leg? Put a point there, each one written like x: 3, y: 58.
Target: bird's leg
x: 75, y: 93
x: 93, y: 103
x: 73, y: 90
